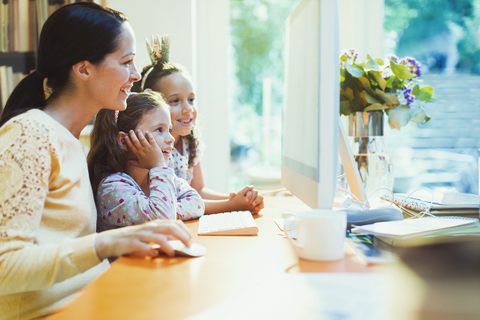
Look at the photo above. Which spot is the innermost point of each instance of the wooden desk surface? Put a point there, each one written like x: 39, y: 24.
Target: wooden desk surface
x: 178, y: 288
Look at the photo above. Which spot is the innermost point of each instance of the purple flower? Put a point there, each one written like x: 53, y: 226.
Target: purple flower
x: 412, y: 65
x: 392, y: 57
x: 351, y: 55
x: 407, y: 93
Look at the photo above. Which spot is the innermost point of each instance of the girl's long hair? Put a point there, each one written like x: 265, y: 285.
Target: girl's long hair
x: 152, y: 80
x: 106, y: 155
x: 75, y: 32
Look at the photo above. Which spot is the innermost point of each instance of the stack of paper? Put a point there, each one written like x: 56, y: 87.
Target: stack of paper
x: 412, y: 231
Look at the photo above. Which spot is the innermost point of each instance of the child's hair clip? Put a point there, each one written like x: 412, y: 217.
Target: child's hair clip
x: 159, y: 50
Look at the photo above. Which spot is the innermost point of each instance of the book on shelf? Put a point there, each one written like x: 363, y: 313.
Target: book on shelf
x: 17, y: 77
x: 3, y: 85
x: 21, y: 25
x: 21, y: 22
x: 32, y: 25
x: 3, y: 27
x: 10, y: 84
x: 8, y: 81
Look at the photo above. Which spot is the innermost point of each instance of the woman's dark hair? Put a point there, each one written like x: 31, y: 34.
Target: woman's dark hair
x: 73, y: 33
x: 152, y: 75
x: 106, y: 155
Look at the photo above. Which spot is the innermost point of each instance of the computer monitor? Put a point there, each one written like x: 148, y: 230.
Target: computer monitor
x: 311, y: 118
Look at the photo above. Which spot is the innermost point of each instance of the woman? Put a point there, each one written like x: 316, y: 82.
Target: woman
x: 48, y: 246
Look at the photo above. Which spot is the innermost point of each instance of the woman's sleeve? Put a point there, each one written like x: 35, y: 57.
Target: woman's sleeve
x: 25, y: 171
x: 189, y: 203
x: 121, y: 203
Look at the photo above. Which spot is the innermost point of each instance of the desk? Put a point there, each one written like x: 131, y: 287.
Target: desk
x: 234, y: 267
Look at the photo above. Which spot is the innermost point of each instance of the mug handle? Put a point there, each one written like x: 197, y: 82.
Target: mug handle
x: 290, y: 218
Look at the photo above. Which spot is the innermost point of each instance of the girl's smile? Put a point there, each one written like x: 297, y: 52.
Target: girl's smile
x: 178, y: 91
x: 167, y: 152
x: 186, y: 122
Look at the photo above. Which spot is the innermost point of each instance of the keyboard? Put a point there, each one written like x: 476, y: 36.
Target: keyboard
x: 236, y: 223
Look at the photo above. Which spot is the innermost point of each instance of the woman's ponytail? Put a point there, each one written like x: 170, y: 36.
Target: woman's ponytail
x: 28, y: 94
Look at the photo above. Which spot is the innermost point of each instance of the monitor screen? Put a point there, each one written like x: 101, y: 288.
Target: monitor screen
x: 311, y: 103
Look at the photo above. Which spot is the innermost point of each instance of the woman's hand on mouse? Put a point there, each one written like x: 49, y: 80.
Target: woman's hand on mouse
x: 148, y: 153
x: 135, y: 240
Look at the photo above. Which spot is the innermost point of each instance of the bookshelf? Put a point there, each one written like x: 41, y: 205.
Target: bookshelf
x: 20, y: 25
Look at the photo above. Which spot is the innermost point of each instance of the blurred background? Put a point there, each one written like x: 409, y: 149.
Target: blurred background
x: 444, y: 35
x: 234, y: 51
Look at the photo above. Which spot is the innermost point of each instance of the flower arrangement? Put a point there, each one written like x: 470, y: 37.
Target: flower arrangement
x: 393, y: 87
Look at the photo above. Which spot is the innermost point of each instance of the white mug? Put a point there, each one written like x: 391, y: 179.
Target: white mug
x: 320, y: 234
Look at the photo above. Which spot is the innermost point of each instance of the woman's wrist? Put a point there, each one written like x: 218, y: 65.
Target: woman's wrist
x: 102, y: 245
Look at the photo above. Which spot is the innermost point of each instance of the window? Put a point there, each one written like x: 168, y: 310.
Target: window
x: 442, y: 34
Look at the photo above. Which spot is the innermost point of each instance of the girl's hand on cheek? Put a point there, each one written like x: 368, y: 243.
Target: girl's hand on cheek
x: 149, y: 155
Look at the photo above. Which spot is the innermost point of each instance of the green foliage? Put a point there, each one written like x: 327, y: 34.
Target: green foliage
x: 430, y: 16
x: 425, y: 94
x: 246, y: 124
x: 399, y: 116
x: 393, y: 87
x: 256, y: 29
x: 417, y: 21
x: 401, y: 72
x: 469, y: 46
x: 257, y: 40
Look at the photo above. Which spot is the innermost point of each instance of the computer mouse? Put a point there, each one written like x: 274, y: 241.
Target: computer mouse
x: 357, y: 217
x: 195, y: 250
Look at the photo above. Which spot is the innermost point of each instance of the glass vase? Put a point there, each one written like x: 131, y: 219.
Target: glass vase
x: 374, y: 163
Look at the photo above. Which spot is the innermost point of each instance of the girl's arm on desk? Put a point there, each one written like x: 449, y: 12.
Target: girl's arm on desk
x: 246, y: 199
x: 121, y: 202
x: 189, y: 203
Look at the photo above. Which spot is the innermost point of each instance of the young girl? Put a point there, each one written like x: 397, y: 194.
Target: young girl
x: 175, y: 83
x: 48, y: 246
x: 127, y: 164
